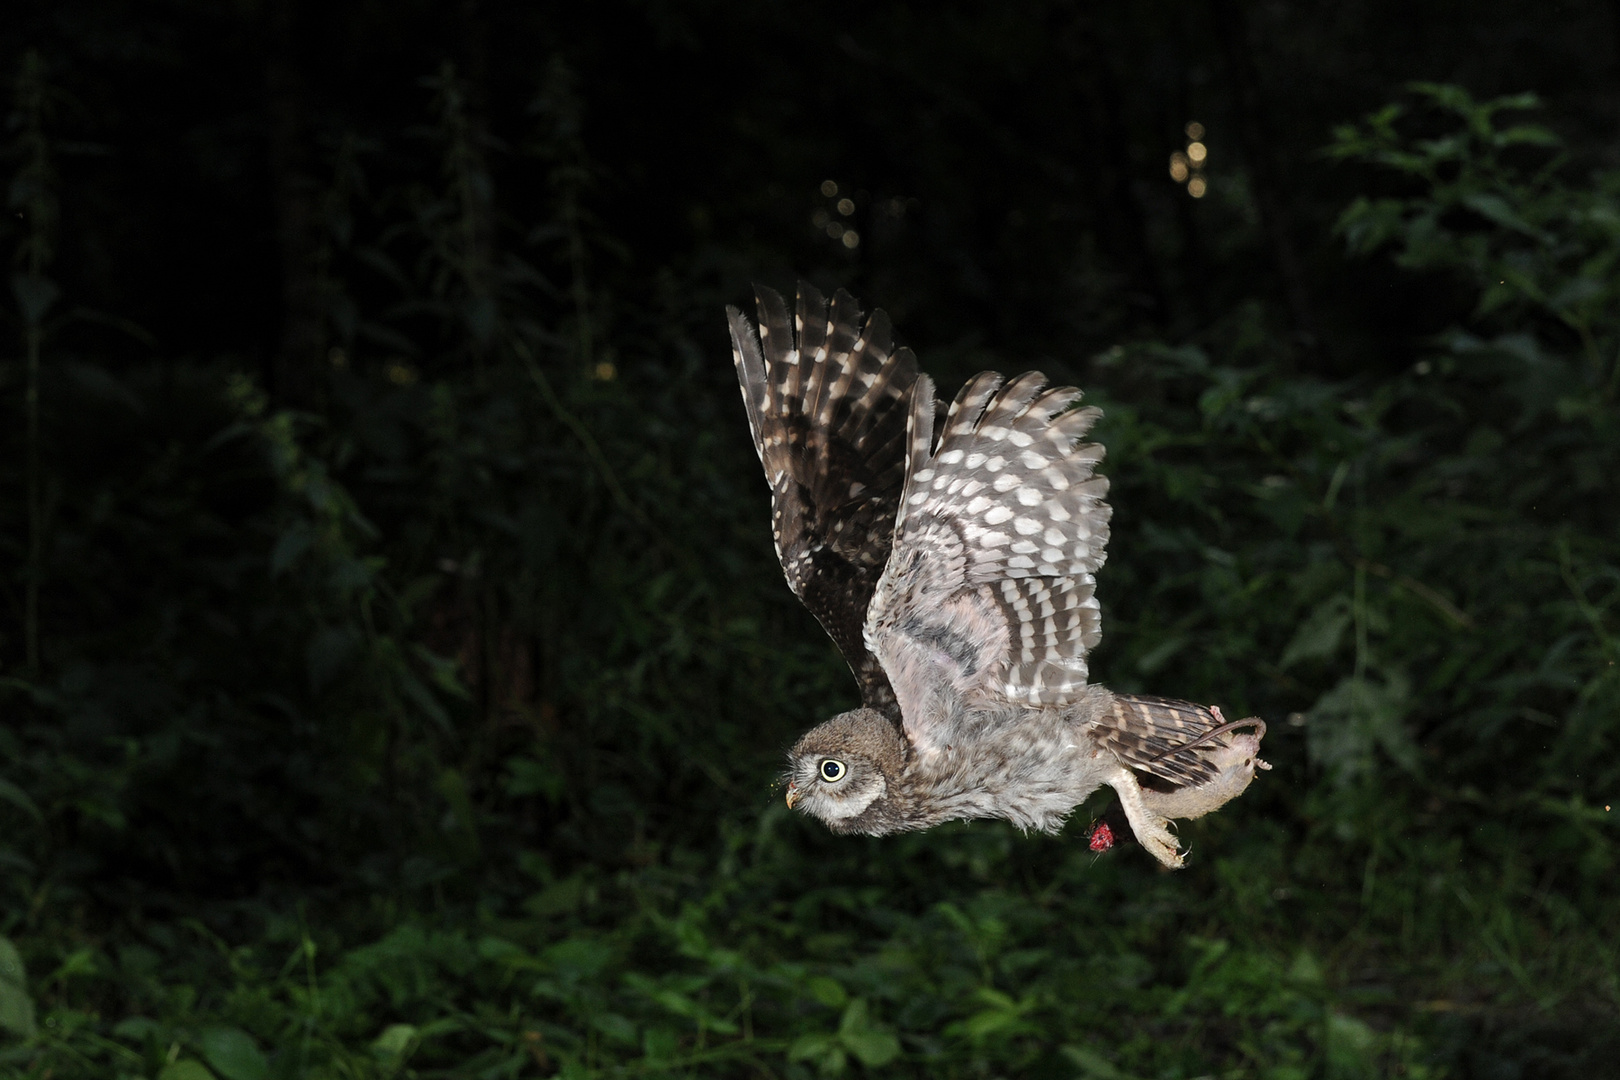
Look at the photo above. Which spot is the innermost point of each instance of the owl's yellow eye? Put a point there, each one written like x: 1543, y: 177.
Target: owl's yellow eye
x: 832, y: 770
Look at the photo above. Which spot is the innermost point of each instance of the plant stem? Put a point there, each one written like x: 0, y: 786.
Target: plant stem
x: 36, y: 526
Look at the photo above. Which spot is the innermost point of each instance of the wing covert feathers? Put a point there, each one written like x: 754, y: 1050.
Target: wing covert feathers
x: 1001, y: 528
x: 826, y: 401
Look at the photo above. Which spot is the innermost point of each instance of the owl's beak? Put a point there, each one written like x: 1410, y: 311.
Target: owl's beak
x: 792, y: 794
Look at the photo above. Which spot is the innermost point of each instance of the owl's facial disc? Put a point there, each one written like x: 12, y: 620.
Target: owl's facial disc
x: 834, y: 788
x: 831, y: 772
x: 840, y: 768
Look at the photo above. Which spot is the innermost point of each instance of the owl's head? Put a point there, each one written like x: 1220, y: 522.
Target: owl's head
x: 846, y: 772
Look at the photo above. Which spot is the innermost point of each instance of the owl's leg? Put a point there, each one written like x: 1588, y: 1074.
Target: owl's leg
x: 1151, y: 830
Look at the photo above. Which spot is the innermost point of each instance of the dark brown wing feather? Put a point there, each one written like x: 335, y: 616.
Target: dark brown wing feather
x: 1172, y: 741
x: 827, y: 407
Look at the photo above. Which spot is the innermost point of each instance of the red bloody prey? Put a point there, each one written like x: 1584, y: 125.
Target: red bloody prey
x: 1102, y: 837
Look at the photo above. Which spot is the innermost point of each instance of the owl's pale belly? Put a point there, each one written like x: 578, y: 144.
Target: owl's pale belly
x: 1033, y: 771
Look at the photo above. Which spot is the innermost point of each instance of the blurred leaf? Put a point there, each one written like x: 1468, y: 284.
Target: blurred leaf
x: 188, y: 1069
x: 1351, y: 1049
x: 1319, y: 635
x: 579, y: 958
x: 616, y: 1027
x: 660, y: 1044
x: 396, y: 1041
x: 527, y: 776
x: 827, y: 991
x: 1497, y: 209
x: 453, y: 786
x: 1001, y: 1017
x: 1093, y: 1065
x: 825, y: 1050
x: 1356, y: 716
x: 1305, y: 969
x: 558, y: 898
x: 15, y: 795
x: 78, y: 963
x: 233, y: 1054
x: 16, y: 1006
x: 871, y: 1044
x: 137, y: 1028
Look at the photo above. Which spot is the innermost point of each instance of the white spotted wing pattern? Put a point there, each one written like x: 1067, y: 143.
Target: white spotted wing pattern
x: 1001, y: 527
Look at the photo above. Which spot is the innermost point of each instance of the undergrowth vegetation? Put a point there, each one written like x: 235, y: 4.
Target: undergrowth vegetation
x: 428, y: 728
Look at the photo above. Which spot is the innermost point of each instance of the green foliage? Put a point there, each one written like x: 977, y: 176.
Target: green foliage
x: 427, y: 730
x: 1492, y: 206
x: 750, y: 977
x: 16, y: 1007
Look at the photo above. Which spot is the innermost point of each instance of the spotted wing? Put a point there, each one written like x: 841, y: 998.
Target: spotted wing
x: 990, y: 588
x: 827, y: 407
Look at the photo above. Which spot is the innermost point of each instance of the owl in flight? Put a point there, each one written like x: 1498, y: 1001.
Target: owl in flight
x: 951, y: 557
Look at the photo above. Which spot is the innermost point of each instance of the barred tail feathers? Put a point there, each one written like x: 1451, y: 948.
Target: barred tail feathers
x: 1177, y: 742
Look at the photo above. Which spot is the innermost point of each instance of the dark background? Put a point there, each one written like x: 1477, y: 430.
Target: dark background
x: 396, y: 666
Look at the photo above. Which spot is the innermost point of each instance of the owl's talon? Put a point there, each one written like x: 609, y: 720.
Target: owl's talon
x: 1152, y: 831
x: 1163, y: 846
